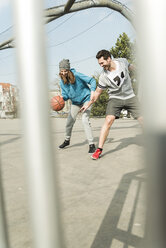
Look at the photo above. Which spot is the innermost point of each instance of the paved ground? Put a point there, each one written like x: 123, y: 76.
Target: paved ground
x: 103, y: 201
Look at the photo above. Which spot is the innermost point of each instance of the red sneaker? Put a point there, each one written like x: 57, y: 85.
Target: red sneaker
x: 96, y: 154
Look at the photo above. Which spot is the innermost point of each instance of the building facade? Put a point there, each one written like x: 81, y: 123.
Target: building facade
x: 8, y: 101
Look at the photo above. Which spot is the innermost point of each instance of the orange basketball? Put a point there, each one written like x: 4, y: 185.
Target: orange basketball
x: 57, y: 103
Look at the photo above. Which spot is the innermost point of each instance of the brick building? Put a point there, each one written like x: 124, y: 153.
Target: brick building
x: 8, y: 100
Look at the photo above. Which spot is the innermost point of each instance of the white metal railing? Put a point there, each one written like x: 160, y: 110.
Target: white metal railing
x: 151, y: 31
x: 4, y: 243
x: 38, y: 144
x: 40, y: 165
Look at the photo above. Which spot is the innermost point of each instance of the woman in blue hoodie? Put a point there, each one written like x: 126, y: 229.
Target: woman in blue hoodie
x: 79, y: 88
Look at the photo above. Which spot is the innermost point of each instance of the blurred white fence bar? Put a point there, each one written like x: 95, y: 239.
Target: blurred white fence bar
x: 3, y: 225
x: 151, y: 26
x: 152, y: 36
x: 42, y: 179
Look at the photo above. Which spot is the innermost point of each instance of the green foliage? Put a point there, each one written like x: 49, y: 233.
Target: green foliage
x: 99, y: 107
x: 124, y: 48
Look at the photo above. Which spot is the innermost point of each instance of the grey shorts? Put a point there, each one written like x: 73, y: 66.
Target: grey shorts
x: 115, y: 106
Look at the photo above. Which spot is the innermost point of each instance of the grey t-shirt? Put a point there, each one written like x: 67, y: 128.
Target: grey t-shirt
x: 118, y: 82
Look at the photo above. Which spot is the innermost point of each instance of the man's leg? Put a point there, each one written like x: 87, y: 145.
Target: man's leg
x: 105, y: 129
x: 133, y: 105
x: 103, y: 135
x: 114, y: 107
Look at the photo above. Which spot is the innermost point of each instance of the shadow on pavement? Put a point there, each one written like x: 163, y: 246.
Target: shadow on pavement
x: 85, y: 142
x: 137, y: 140
x: 109, y: 230
x: 9, y: 141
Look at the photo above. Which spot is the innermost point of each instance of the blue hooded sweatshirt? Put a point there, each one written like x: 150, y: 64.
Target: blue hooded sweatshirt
x: 80, y: 91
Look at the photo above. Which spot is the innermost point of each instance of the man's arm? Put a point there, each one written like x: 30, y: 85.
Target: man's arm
x: 96, y: 94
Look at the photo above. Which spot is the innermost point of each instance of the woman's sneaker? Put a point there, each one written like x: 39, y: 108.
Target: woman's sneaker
x: 96, y: 154
x: 64, y: 144
x: 92, y: 148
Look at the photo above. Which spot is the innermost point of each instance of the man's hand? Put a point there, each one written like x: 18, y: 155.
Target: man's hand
x: 94, y: 96
x: 85, y: 107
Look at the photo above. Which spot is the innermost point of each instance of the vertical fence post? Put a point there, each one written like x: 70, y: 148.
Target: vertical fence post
x: 41, y: 169
x: 151, y: 19
x: 3, y: 226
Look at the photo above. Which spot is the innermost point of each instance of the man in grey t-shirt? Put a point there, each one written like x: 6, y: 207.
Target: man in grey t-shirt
x: 115, y: 77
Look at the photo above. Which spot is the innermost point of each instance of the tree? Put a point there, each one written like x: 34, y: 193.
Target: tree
x: 124, y: 48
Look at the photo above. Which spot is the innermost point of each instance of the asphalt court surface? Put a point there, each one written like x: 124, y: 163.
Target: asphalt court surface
x: 102, y: 202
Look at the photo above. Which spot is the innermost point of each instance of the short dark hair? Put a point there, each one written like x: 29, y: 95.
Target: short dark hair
x: 103, y: 53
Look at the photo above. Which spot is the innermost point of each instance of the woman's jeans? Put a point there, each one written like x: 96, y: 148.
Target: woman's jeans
x: 85, y: 120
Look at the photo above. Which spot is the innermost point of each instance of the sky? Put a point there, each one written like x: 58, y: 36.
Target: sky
x: 77, y: 36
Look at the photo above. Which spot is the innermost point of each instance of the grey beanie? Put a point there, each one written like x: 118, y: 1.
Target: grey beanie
x: 64, y: 64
